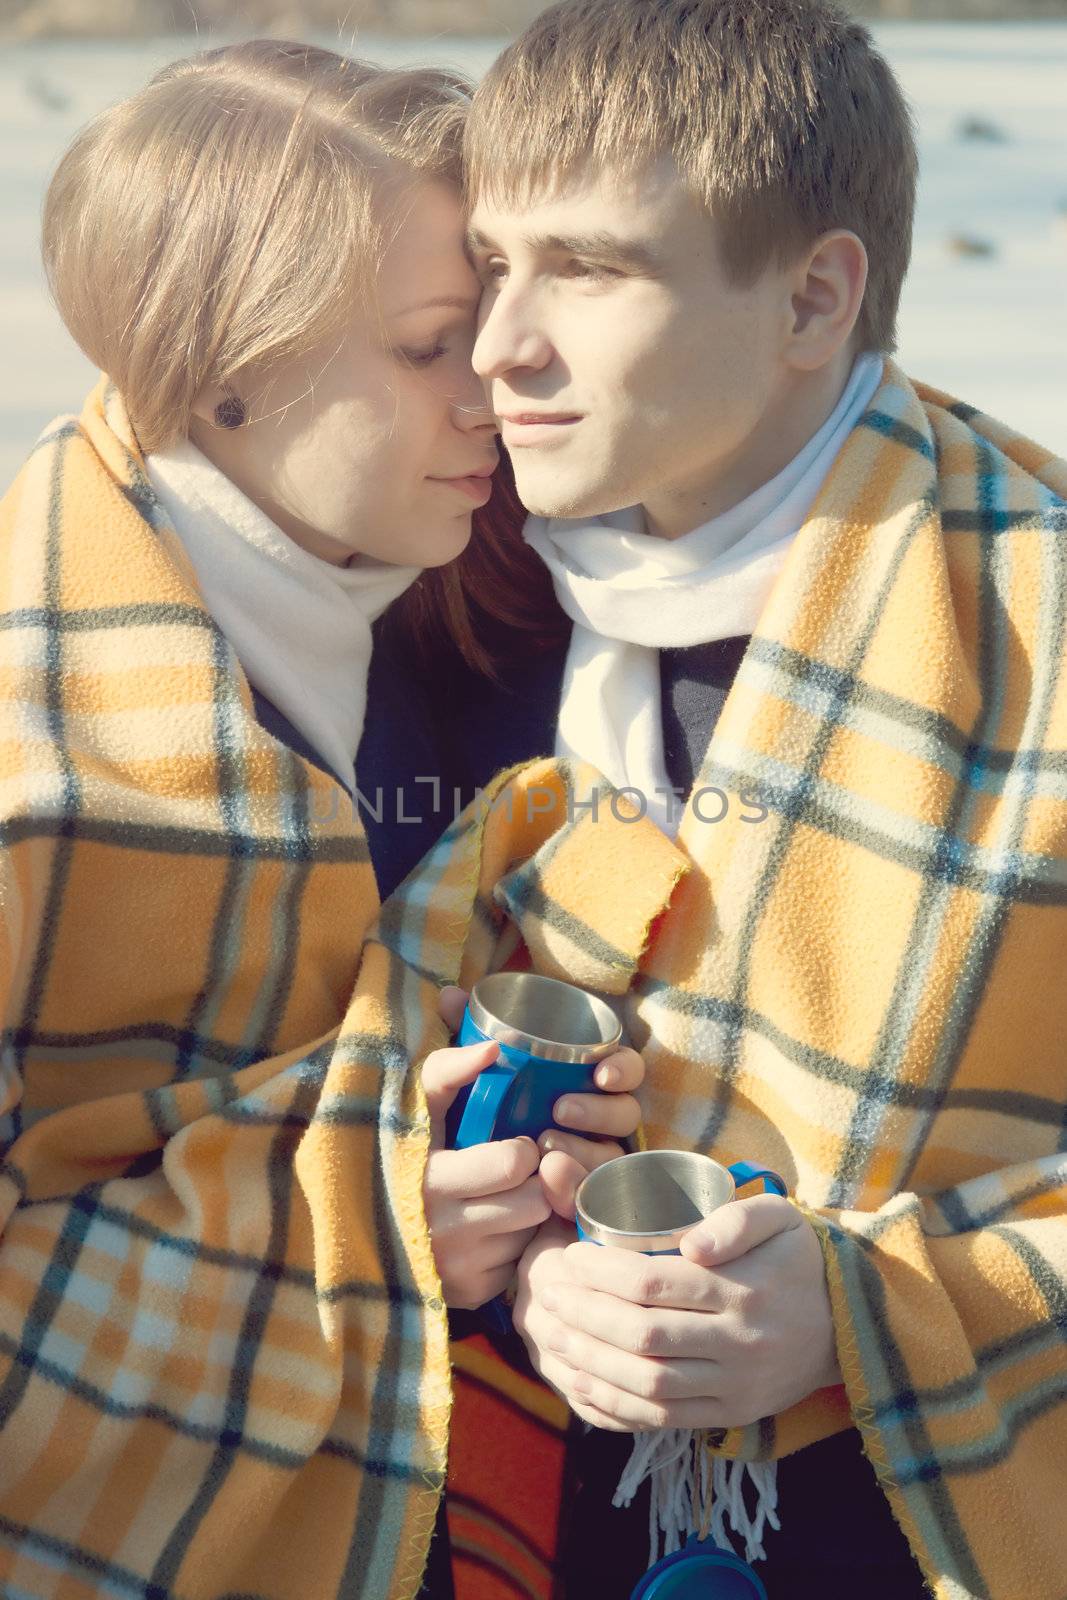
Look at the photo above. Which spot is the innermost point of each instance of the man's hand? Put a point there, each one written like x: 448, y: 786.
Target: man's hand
x: 736, y: 1329
x: 543, y: 1265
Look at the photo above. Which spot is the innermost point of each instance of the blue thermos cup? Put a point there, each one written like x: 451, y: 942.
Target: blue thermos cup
x: 552, y: 1037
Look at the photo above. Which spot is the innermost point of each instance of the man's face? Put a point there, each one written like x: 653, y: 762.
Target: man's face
x: 623, y: 365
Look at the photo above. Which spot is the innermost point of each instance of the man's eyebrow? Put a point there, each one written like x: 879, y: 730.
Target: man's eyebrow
x: 452, y: 302
x: 474, y: 240
x: 601, y: 245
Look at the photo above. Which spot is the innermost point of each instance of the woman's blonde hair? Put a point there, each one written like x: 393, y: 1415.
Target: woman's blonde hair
x: 229, y: 215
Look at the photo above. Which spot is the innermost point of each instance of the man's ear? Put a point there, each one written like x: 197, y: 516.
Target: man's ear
x: 827, y: 289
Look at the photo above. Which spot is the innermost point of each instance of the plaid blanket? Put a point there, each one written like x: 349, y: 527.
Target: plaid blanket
x: 865, y: 990
x: 224, y: 1362
x: 223, y: 1355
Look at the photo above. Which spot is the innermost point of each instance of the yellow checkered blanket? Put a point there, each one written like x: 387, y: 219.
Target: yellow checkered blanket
x: 224, y: 1364
x: 223, y: 1359
x: 866, y: 989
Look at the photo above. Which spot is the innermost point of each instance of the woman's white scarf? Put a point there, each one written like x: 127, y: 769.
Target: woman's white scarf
x: 631, y: 594
x: 299, y: 626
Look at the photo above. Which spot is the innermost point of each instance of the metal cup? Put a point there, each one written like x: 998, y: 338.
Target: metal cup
x: 647, y: 1201
x: 552, y: 1036
x: 544, y: 1019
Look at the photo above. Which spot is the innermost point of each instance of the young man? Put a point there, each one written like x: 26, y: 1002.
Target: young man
x: 692, y: 219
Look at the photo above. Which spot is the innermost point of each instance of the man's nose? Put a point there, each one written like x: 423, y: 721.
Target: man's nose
x: 509, y: 337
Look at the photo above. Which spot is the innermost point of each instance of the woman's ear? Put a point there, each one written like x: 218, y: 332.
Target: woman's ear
x: 827, y: 294
x: 220, y: 407
x: 206, y: 401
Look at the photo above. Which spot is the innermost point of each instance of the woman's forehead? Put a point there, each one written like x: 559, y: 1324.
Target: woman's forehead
x: 425, y: 264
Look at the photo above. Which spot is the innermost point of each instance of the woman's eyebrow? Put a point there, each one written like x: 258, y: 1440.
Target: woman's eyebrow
x: 601, y: 244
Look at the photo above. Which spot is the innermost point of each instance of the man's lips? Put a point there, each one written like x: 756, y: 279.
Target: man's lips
x: 526, y: 419
x: 535, y: 429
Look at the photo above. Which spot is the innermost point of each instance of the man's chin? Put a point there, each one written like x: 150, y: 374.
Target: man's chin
x: 565, y: 502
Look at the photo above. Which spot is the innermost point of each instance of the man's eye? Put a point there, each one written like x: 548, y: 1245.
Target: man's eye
x: 588, y: 269
x: 493, y: 271
x: 424, y: 358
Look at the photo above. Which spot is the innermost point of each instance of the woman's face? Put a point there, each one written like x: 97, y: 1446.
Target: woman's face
x: 379, y: 443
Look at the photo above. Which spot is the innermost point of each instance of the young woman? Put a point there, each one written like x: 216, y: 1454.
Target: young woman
x: 213, y: 1260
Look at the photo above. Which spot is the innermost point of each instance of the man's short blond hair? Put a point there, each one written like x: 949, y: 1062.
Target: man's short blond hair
x: 232, y: 214
x: 781, y: 116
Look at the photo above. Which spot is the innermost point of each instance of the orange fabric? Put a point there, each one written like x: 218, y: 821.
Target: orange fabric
x: 503, y: 1547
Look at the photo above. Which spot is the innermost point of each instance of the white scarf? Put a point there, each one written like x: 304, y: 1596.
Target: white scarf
x: 299, y: 626
x: 631, y: 594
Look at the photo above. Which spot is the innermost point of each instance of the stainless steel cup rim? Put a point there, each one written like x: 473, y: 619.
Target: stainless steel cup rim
x: 502, y: 1002
x: 674, y: 1189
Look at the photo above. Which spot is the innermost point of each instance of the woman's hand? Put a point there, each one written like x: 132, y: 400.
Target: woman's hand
x: 737, y: 1328
x: 483, y: 1205
x: 604, y: 1118
x: 566, y: 1157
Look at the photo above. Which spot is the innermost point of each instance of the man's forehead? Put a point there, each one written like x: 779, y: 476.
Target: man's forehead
x: 629, y: 207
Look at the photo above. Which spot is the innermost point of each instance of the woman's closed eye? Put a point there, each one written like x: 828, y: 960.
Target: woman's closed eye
x: 425, y: 357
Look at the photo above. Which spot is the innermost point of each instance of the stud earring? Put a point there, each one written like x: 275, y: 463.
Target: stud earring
x: 230, y: 413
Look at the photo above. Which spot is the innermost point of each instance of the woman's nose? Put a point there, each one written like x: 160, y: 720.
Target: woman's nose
x: 472, y: 409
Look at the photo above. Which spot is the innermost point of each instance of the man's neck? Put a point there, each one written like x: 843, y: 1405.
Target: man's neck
x: 789, y: 422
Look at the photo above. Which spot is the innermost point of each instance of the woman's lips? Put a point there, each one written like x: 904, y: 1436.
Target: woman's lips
x: 477, y: 485
x: 478, y: 489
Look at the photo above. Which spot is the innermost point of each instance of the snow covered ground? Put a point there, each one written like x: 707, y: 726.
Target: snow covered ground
x: 990, y: 328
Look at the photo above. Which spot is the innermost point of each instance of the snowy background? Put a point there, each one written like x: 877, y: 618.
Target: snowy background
x: 985, y: 307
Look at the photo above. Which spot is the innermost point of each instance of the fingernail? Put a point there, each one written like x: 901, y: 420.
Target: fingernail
x: 550, y: 1299
x: 607, y: 1077
x: 569, y: 1110
x: 548, y: 1141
